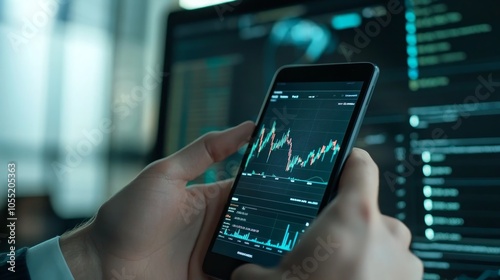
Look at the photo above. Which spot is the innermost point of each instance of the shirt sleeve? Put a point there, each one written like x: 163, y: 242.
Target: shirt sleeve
x: 46, y: 261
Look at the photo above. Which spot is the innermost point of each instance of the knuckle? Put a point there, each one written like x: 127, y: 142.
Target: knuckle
x: 208, y: 141
x: 403, y: 232
x: 402, y: 229
x: 399, y: 230
x: 209, y: 136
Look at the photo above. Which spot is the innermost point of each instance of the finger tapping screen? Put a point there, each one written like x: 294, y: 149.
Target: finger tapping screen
x: 286, y: 170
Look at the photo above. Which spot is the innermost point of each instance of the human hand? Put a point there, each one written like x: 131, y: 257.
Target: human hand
x: 350, y: 240
x: 156, y: 228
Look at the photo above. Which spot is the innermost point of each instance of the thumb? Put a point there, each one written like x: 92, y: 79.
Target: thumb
x: 252, y: 272
x: 359, y: 182
x: 194, y: 159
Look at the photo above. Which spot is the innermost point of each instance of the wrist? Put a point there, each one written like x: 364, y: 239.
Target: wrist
x: 81, y: 254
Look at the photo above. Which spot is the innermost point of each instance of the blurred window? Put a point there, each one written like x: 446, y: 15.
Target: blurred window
x: 76, y: 115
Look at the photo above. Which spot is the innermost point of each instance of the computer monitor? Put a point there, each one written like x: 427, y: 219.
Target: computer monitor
x: 432, y: 125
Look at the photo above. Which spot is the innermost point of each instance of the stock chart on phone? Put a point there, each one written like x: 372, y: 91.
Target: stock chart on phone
x: 287, y: 169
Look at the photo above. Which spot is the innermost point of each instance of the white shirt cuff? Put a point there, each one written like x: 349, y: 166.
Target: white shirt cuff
x: 46, y: 261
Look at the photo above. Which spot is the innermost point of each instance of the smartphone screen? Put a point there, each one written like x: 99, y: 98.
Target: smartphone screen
x: 288, y: 168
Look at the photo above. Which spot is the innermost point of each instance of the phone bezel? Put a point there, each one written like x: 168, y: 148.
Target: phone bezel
x: 221, y: 266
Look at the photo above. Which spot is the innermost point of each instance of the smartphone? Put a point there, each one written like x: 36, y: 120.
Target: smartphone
x: 290, y: 170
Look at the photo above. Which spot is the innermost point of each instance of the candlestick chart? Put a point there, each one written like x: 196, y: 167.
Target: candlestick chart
x: 278, y: 151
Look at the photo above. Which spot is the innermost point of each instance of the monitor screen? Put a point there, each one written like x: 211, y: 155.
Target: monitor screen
x: 431, y: 126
